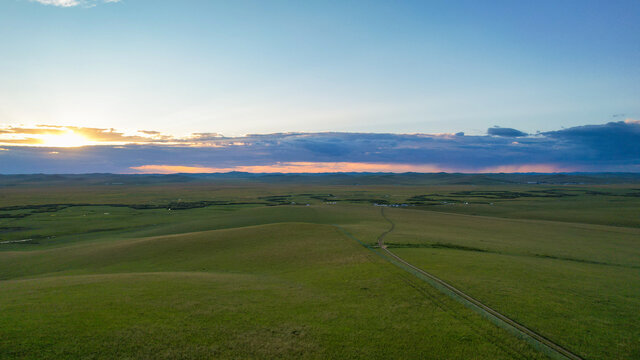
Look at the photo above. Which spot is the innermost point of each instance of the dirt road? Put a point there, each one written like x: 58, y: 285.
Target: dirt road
x: 529, y: 334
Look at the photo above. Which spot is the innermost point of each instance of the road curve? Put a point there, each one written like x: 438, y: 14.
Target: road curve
x: 540, y: 339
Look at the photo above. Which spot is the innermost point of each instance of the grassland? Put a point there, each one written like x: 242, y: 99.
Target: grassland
x: 576, y: 283
x: 242, y: 269
x: 280, y: 290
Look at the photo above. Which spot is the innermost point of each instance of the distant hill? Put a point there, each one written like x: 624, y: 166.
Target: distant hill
x: 327, y: 178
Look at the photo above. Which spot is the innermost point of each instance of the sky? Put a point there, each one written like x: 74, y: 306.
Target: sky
x: 201, y: 86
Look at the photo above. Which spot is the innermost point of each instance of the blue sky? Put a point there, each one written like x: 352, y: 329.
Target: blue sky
x: 274, y: 66
x: 149, y: 85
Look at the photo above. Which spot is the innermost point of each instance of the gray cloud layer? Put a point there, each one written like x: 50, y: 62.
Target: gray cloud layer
x: 609, y: 147
x: 507, y: 132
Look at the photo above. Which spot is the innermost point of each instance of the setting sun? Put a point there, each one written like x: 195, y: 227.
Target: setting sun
x: 68, y: 139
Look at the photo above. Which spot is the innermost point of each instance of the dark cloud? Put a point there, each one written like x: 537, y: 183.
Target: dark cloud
x: 507, y: 132
x: 609, y: 147
x: 612, y: 141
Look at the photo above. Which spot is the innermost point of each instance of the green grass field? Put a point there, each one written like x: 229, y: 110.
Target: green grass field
x: 217, y: 270
x: 577, y: 283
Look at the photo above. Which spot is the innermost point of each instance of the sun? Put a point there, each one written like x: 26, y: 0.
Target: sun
x: 68, y: 139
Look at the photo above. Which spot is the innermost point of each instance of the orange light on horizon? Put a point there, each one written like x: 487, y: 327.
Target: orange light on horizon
x: 173, y: 169
x: 526, y: 168
x: 333, y: 167
x: 290, y: 167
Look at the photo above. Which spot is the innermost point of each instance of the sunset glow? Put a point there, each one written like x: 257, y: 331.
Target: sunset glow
x: 333, y: 167
x: 291, y: 167
x: 75, y: 136
x: 502, y: 150
x: 67, y: 139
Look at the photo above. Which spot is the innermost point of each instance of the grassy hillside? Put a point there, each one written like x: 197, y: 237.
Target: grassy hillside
x: 577, y: 283
x: 285, y: 290
x: 193, y: 268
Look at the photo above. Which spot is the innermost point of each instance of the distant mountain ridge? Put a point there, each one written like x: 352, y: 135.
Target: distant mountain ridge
x: 330, y: 178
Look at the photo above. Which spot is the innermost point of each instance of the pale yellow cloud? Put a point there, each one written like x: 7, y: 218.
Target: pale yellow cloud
x: 70, y: 136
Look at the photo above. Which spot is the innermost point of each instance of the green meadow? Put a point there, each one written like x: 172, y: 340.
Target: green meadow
x: 578, y: 284
x: 257, y: 269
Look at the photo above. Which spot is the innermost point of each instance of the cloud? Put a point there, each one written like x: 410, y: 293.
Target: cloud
x: 38, y: 135
x: 205, y: 136
x: 615, y: 141
x: 613, y: 146
x: 149, y: 132
x: 73, y: 3
x: 507, y: 132
x: 42, y: 135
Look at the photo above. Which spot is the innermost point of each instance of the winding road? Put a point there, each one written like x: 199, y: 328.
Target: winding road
x: 533, y: 336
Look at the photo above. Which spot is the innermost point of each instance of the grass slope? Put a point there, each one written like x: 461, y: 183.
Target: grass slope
x: 288, y: 290
x: 235, y: 269
x: 576, y: 283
